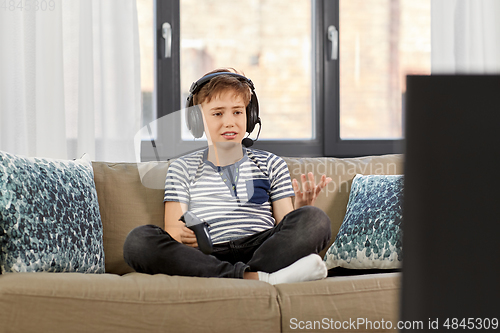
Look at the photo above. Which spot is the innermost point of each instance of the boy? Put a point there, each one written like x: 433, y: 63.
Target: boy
x: 243, y: 194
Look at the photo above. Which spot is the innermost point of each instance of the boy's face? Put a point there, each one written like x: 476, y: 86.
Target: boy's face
x: 225, y: 118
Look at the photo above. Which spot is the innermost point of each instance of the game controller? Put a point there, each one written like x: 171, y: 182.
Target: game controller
x: 200, y: 228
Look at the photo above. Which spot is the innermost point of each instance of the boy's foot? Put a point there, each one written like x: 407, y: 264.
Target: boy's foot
x: 308, y: 268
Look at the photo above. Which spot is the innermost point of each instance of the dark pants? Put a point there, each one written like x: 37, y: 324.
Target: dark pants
x: 150, y: 249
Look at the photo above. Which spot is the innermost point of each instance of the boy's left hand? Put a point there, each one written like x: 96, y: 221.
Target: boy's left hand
x: 310, y: 190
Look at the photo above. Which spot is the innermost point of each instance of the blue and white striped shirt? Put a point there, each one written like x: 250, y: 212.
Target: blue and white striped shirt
x: 234, y: 200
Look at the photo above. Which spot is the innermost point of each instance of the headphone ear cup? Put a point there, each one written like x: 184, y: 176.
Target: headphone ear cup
x: 252, y: 113
x: 194, y: 121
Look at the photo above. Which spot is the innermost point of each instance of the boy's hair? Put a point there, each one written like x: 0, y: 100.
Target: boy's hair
x: 221, y: 83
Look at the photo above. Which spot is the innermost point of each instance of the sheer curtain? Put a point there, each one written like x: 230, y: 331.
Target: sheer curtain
x: 70, y: 79
x: 465, y: 36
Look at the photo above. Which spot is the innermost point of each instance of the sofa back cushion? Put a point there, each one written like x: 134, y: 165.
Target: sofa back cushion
x: 125, y: 202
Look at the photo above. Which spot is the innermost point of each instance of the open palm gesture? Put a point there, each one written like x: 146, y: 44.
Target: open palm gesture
x: 310, y: 191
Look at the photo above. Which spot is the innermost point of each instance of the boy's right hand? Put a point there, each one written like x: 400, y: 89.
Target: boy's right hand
x: 188, y: 237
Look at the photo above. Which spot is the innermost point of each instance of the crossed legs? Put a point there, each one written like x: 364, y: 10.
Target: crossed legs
x: 290, y: 249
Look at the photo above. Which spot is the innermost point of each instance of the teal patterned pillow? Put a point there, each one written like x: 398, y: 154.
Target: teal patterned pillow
x: 370, y: 236
x: 49, y: 216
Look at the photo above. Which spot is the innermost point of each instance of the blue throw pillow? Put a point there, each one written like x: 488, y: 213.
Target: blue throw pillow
x: 370, y: 236
x: 49, y: 216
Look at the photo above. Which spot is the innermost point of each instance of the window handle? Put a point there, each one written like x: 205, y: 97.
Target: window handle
x: 333, y: 36
x: 166, y: 30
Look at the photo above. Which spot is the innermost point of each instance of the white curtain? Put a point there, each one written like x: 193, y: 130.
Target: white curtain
x: 70, y: 79
x: 465, y: 36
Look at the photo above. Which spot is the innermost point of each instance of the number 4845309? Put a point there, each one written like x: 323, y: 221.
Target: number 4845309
x: 28, y: 5
x: 471, y: 323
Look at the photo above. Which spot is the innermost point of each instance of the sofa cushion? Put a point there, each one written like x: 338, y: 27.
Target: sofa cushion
x: 370, y: 235
x: 69, y: 302
x: 130, y: 195
x: 49, y: 216
x: 336, y: 304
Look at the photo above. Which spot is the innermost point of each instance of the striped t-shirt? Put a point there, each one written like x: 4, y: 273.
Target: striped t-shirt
x: 235, y: 200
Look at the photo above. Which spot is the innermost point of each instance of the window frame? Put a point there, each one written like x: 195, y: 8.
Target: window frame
x: 326, y: 107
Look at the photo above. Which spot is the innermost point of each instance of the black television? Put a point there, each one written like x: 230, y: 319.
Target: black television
x: 451, y: 226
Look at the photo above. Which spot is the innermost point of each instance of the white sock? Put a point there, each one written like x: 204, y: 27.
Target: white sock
x: 308, y: 268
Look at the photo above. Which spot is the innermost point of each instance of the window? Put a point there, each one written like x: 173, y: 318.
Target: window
x: 311, y: 104
x: 381, y: 42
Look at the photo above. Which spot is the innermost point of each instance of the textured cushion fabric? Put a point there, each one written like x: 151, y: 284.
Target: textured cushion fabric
x: 370, y: 236
x: 128, y: 198
x: 49, y: 216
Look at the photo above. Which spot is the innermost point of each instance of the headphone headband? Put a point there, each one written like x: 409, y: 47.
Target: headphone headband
x: 196, y: 86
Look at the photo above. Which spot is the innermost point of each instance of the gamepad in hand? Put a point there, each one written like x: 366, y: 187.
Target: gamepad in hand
x: 200, y: 228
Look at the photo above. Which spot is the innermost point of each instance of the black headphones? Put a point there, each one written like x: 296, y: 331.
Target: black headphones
x: 194, y: 117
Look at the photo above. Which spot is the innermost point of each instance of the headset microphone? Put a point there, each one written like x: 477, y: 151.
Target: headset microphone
x: 247, y: 142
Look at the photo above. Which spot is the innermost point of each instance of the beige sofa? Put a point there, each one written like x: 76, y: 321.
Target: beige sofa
x: 125, y: 301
